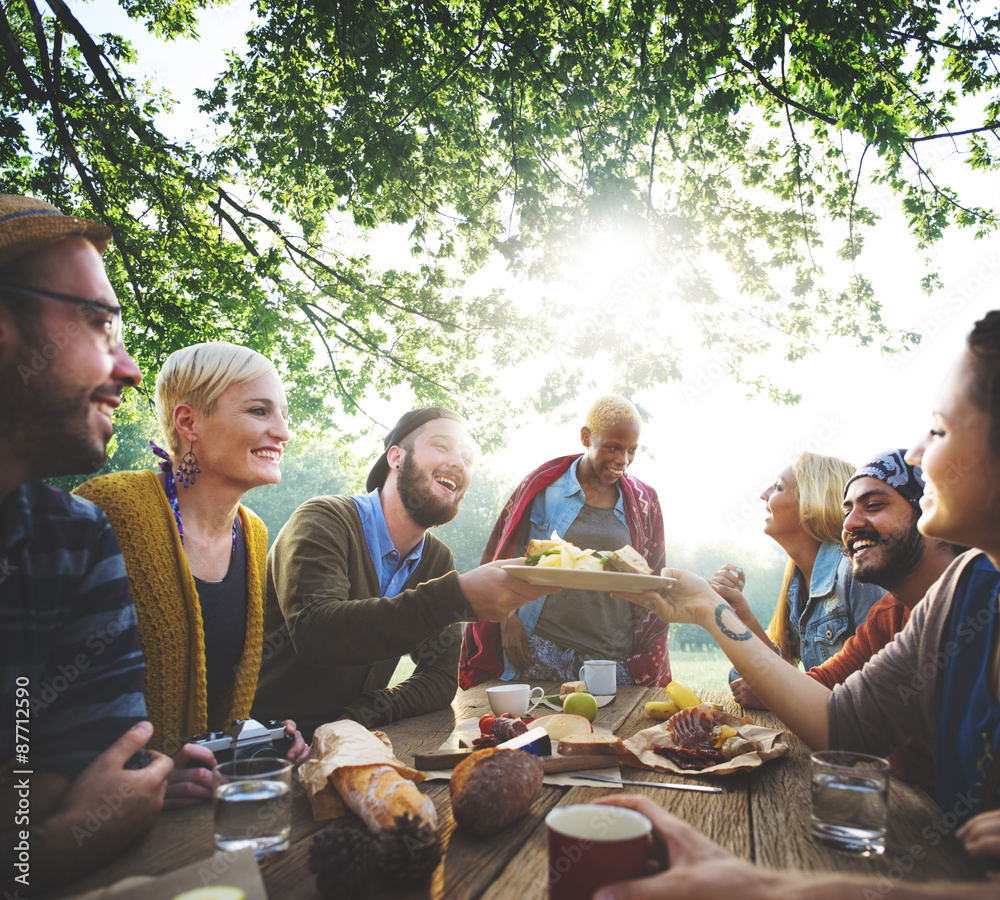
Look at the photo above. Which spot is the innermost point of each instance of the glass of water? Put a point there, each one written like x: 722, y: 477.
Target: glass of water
x: 850, y: 801
x: 253, y: 805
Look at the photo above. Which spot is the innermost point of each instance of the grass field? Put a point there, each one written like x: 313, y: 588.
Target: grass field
x: 699, y: 671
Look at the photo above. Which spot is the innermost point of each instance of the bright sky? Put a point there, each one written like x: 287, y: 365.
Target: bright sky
x: 707, y: 449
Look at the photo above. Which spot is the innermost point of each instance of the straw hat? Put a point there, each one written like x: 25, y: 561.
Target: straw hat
x: 27, y: 224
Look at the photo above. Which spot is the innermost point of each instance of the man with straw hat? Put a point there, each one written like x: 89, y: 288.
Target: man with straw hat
x: 72, y: 730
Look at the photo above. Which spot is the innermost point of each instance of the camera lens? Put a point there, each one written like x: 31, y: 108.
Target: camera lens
x: 263, y: 750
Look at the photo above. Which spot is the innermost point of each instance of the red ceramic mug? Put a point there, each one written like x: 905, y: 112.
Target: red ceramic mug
x: 591, y: 846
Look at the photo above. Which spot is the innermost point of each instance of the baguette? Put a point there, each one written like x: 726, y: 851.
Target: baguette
x: 378, y: 794
x: 586, y: 744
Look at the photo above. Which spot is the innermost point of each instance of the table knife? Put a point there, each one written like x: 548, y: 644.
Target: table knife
x: 448, y: 759
x: 659, y: 784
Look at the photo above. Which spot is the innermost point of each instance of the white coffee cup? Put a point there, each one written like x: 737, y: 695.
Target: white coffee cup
x: 601, y: 676
x: 516, y: 699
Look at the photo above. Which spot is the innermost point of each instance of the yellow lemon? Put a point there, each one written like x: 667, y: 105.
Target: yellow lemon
x: 581, y: 704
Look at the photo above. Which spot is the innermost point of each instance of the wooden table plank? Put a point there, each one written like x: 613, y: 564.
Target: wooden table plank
x: 914, y: 846
x: 764, y: 816
x: 473, y: 865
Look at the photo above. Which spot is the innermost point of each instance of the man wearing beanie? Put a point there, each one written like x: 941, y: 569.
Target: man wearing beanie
x: 881, y: 509
x: 355, y: 582
x: 72, y: 717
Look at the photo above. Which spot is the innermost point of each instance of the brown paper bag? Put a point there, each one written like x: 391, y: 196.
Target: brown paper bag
x: 641, y: 748
x: 339, y: 744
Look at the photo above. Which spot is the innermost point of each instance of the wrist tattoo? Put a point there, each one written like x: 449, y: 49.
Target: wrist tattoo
x: 728, y: 632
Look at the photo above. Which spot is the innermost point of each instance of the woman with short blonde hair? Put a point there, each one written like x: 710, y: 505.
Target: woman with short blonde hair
x: 199, y: 375
x: 195, y: 556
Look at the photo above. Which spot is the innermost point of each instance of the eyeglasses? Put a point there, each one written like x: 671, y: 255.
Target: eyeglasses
x: 112, y: 327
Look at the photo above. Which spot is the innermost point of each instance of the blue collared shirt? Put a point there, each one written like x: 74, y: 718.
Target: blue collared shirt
x: 555, y: 509
x: 393, y: 572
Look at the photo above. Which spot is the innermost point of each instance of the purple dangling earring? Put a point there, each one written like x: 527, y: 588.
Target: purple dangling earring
x: 188, y: 468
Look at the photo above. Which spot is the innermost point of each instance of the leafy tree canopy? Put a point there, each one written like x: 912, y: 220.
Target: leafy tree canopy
x: 726, y: 138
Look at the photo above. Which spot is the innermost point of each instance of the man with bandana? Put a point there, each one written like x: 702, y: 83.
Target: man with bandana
x: 355, y: 582
x: 881, y: 509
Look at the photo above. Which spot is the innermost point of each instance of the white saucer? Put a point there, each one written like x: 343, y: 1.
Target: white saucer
x: 602, y: 700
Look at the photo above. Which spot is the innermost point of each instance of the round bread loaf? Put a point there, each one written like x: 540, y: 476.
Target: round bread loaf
x: 493, y: 787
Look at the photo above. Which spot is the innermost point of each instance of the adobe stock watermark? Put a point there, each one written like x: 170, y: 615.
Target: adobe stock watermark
x: 930, y: 325
x: 98, y: 816
x: 751, y: 507
x: 56, y: 341
x: 750, y: 329
x: 70, y: 671
x: 21, y: 786
x: 970, y: 626
x: 935, y: 832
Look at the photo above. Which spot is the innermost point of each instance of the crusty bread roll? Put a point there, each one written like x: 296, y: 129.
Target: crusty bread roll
x: 596, y: 743
x: 379, y: 793
x: 493, y: 787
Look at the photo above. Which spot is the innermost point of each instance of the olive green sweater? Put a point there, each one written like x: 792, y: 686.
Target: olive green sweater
x: 331, y: 643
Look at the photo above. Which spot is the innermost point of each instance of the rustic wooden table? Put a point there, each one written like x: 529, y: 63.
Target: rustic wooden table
x: 762, y: 817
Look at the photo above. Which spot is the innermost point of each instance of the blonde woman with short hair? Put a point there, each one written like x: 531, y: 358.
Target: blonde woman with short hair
x: 195, y: 556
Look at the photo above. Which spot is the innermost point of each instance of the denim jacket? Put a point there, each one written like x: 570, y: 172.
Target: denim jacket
x: 555, y: 509
x: 835, y: 606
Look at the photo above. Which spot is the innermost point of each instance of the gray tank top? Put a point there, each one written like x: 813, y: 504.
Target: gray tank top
x: 590, y: 621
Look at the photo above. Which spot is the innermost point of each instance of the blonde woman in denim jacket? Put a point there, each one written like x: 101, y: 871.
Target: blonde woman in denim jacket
x: 820, y: 604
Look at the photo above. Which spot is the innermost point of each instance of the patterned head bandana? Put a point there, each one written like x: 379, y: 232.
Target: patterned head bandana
x: 891, y: 468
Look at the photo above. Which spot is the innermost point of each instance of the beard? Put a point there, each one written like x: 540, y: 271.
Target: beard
x: 416, y: 491
x: 48, y: 422
x: 903, y: 552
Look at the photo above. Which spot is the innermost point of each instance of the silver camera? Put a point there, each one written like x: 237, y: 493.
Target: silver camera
x: 247, y: 739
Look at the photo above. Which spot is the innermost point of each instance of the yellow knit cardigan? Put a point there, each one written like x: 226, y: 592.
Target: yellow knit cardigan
x: 171, y: 632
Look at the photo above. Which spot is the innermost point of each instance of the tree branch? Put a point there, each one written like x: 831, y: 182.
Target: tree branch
x: 343, y: 279
x: 771, y: 89
x: 652, y: 164
x: 989, y: 126
x: 10, y: 48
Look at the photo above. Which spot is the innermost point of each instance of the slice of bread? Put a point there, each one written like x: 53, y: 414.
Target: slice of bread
x: 571, y: 687
x: 536, y: 546
x: 579, y: 744
x: 628, y: 559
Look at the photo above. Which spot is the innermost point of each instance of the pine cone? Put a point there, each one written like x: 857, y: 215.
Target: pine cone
x: 343, y: 857
x: 409, y: 850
